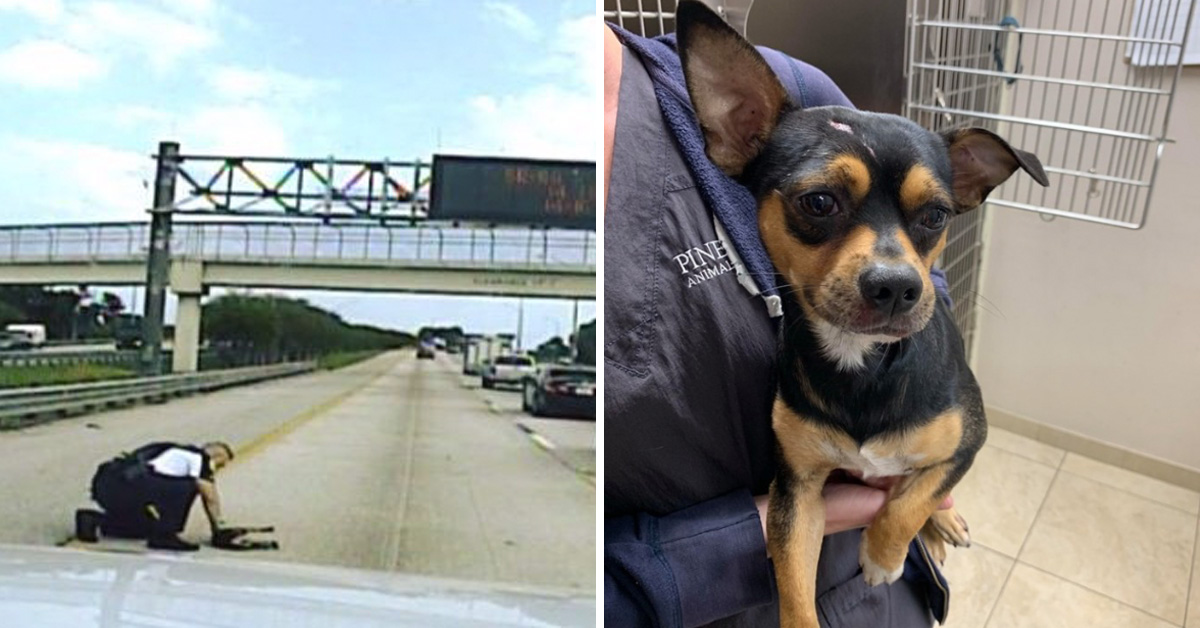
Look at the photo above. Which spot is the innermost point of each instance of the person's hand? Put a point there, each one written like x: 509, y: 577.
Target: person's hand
x: 848, y: 504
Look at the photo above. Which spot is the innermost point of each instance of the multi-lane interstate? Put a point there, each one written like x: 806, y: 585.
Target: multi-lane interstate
x: 392, y: 464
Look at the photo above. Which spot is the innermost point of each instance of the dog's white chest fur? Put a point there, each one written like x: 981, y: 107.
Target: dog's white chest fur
x: 867, y: 462
x: 847, y: 350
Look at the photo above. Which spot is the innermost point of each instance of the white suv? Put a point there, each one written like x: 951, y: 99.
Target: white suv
x: 509, y: 369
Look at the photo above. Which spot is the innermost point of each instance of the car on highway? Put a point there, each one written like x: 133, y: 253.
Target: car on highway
x: 561, y: 390
x: 127, y: 331
x: 508, y: 370
x: 68, y: 588
x: 11, y: 341
x: 425, y: 352
x: 33, y: 333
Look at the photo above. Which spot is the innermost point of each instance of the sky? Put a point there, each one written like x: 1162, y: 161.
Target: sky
x: 89, y: 88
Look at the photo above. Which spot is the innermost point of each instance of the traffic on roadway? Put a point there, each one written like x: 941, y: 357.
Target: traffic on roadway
x: 393, y: 465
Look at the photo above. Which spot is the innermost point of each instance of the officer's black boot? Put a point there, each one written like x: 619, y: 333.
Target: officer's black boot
x: 87, y: 524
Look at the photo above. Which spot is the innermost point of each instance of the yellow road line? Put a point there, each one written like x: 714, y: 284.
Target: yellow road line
x: 258, y: 444
x: 283, y: 429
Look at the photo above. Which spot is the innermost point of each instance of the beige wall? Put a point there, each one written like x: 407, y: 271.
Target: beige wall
x: 1096, y: 329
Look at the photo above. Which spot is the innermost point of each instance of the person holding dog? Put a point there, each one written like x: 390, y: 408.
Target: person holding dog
x: 691, y: 324
x: 149, y: 492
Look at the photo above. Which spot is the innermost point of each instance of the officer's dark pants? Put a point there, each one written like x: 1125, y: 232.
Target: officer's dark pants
x: 148, y: 505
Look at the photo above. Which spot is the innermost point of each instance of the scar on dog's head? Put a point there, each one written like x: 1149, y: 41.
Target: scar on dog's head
x: 853, y: 206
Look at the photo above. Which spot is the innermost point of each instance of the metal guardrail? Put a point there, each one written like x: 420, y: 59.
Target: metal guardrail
x: 292, y: 242
x: 82, y: 341
x: 63, y: 358
x: 21, y: 407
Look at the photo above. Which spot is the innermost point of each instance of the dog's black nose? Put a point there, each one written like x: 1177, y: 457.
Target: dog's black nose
x: 891, y: 288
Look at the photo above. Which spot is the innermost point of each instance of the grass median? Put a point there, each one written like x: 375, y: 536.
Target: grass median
x: 337, y: 360
x: 23, y: 376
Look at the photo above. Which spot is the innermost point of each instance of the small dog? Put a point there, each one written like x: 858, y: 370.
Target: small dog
x: 235, y: 538
x: 873, y: 379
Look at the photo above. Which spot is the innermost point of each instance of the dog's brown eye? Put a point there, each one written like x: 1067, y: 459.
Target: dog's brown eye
x: 818, y: 205
x: 935, y: 219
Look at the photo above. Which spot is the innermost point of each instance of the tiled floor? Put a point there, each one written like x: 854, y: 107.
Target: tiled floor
x: 1064, y: 541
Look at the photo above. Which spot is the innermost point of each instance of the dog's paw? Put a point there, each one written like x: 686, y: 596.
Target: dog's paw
x: 934, y: 543
x: 952, y: 527
x: 874, y: 573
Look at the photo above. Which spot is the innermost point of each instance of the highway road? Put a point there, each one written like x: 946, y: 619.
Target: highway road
x: 571, y: 441
x: 391, y: 464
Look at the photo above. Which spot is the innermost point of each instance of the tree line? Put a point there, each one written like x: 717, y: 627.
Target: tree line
x: 62, y: 311
x: 257, y: 328
x: 271, y: 328
x: 580, y: 350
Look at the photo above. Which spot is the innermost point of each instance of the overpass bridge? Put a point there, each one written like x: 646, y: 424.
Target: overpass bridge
x: 353, y: 256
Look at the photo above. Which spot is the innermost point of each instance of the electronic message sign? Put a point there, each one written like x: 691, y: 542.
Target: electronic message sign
x: 501, y: 190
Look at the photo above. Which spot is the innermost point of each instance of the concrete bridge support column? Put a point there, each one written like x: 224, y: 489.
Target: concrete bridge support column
x: 187, y: 282
x: 186, y: 356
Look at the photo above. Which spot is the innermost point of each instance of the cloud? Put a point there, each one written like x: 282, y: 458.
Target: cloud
x: 161, y: 39
x: 248, y: 112
x: 548, y: 121
x: 567, y: 57
x: 191, y: 8
x: 108, y: 183
x: 45, y: 10
x: 234, y: 83
x: 103, y: 181
x: 511, y: 17
x: 255, y: 109
x: 573, y: 42
x: 252, y: 129
x: 49, y: 64
x: 112, y: 184
x: 553, y: 118
x: 139, y: 116
x: 236, y: 129
x: 86, y: 38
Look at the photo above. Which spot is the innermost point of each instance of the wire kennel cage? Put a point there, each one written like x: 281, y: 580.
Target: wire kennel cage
x: 651, y: 18
x: 1087, y: 85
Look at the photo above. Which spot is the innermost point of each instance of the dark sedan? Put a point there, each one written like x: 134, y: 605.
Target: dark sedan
x: 561, y: 391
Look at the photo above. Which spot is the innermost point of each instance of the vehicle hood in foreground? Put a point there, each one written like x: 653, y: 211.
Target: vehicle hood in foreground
x: 51, y: 588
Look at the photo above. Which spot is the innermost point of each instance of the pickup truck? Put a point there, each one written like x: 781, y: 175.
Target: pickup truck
x: 510, y: 370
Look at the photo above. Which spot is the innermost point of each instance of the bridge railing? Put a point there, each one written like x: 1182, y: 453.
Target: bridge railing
x: 294, y: 242
x: 33, y: 243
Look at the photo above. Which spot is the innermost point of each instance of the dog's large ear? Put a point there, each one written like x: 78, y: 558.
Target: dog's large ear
x: 981, y: 160
x: 737, y: 97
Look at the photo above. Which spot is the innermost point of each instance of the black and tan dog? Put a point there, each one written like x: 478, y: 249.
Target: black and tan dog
x: 873, y: 379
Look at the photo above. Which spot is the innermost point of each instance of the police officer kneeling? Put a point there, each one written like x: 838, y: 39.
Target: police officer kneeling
x: 148, y: 494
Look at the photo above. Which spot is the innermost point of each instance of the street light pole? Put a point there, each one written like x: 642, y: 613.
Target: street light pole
x: 158, y: 258
x: 520, y: 323
x: 575, y: 319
